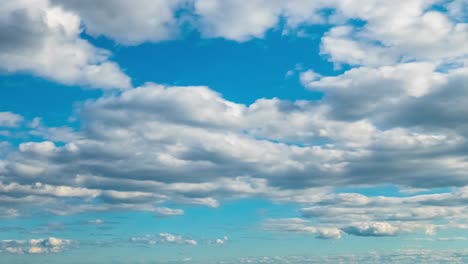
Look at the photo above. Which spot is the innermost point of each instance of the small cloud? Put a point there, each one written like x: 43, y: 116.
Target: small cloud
x: 452, y: 239
x: 163, y: 238
x: 289, y: 73
x: 221, y: 241
x: 9, y: 119
x: 309, y: 76
x: 35, y: 123
x: 166, y: 212
x: 329, y: 233
x: 371, y: 229
x: 95, y: 222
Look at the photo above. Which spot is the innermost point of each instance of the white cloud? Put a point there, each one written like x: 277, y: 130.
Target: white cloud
x: 45, y: 40
x: 46, y: 189
x: 165, y: 212
x: 299, y: 225
x: 9, y: 119
x: 128, y: 22
x: 35, y: 246
x: 329, y: 233
x: 95, y: 222
x: 35, y: 250
x: 219, y: 241
x: 134, y: 151
x: 163, y: 238
x: 371, y: 229
x: 294, y: 225
x: 341, y: 45
x: 232, y: 20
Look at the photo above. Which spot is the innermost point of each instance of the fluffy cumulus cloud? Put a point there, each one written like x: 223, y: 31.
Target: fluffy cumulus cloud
x: 39, y: 38
x: 128, y: 22
x: 43, y: 36
x: 360, y: 215
x: 222, y: 18
x: 395, y: 31
x: 416, y: 28
x: 35, y: 246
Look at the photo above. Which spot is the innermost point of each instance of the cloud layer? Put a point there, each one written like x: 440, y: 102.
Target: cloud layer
x: 396, y: 116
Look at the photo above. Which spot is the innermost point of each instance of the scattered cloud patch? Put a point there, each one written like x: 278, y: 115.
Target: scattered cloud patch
x: 371, y: 229
x: 35, y: 246
x: 163, y: 238
x: 9, y: 119
x: 167, y: 212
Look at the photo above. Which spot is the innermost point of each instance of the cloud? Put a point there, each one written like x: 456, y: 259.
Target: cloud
x: 221, y: 18
x: 357, y: 207
x: 45, y: 40
x: 136, y: 22
x: 394, y: 31
x: 329, y: 233
x: 152, y: 21
x: 452, y: 239
x: 163, y: 238
x: 354, y: 93
x: 371, y: 229
x: 189, y: 145
x: 95, y: 222
x: 221, y: 241
x: 35, y: 246
x: 9, y: 119
x: 165, y: 212
x: 360, y: 215
x: 301, y: 226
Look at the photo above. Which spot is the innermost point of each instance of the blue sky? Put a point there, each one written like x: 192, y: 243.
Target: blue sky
x: 221, y: 131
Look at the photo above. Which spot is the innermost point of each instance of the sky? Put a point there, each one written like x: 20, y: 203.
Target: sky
x: 224, y: 131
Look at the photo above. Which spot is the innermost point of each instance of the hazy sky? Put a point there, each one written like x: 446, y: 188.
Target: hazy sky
x: 229, y: 131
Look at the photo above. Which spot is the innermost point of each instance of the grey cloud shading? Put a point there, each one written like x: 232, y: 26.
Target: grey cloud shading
x: 31, y: 31
x: 371, y: 229
x: 9, y: 119
x: 130, y: 151
x: 128, y: 23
